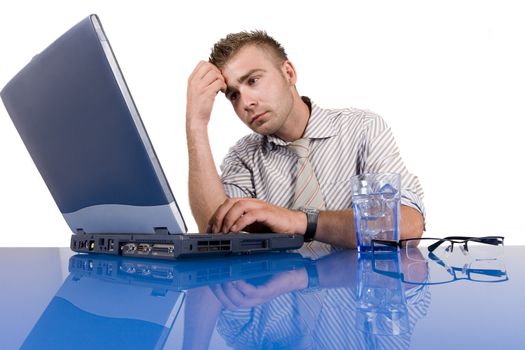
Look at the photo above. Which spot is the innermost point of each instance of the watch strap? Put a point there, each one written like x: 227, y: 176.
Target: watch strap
x: 313, y: 276
x: 312, y: 215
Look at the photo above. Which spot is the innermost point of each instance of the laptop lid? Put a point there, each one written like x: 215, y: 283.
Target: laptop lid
x: 76, y: 117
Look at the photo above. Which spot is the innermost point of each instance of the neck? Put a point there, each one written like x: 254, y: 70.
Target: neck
x: 297, y: 121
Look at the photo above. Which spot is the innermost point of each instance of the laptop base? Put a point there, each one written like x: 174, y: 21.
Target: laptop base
x: 167, y: 246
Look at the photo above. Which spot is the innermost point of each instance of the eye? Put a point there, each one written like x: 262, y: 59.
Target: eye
x: 233, y: 96
x: 252, y: 80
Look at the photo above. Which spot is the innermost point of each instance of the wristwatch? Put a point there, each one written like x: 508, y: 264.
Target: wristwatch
x: 312, y: 215
x: 313, y: 276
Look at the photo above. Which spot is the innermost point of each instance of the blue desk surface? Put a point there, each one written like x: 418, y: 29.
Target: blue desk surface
x: 53, y: 299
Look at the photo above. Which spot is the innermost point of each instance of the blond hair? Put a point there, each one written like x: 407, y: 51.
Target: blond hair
x: 227, y: 47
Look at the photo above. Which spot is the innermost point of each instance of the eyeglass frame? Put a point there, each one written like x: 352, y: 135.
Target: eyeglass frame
x: 491, y: 240
x: 450, y: 269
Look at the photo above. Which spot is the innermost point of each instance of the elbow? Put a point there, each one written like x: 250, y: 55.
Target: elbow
x: 412, y: 223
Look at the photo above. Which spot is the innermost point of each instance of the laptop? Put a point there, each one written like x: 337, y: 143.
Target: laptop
x: 74, y: 112
x: 106, y: 301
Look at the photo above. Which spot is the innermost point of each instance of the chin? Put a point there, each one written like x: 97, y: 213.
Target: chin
x: 265, y: 131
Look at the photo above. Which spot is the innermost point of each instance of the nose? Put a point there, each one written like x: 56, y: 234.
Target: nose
x: 248, y: 100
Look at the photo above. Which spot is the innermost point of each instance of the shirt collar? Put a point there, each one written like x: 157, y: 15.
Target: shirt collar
x: 320, y: 125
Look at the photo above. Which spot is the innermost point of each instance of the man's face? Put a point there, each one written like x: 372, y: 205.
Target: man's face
x: 259, y: 89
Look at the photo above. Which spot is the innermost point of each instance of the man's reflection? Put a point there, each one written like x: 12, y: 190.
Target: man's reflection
x: 329, y: 304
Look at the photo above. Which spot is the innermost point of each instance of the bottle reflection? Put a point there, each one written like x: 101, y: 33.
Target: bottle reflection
x: 381, y: 301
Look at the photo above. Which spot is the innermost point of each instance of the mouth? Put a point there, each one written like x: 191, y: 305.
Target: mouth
x: 256, y: 117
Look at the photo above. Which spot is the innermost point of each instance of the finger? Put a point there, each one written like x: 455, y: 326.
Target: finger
x: 221, y: 296
x: 214, y: 81
x: 210, y: 77
x: 216, y: 220
x: 235, y: 295
x: 218, y: 86
x: 247, y: 289
x: 249, y: 217
x: 237, y: 211
x: 200, y: 69
x: 254, y: 296
x: 197, y: 70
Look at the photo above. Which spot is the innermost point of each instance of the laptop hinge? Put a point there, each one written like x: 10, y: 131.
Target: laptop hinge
x: 81, y: 231
x: 161, y: 230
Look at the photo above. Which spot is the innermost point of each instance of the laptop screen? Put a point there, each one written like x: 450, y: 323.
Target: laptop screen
x: 76, y: 116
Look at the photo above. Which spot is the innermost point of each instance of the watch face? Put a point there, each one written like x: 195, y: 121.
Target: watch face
x: 309, y: 210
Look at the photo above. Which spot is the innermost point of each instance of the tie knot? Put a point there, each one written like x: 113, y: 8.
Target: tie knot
x: 301, y: 147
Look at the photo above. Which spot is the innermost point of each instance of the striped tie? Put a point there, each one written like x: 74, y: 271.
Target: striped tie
x: 307, y: 191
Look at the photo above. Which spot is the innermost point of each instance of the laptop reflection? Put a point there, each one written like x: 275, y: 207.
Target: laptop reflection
x: 116, y: 302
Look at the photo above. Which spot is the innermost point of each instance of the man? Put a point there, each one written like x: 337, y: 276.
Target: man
x: 256, y: 191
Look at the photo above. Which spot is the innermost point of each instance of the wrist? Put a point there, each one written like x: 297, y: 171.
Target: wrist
x: 301, y: 222
x: 312, y: 217
x: 196, y: 125
x: 313, y: 275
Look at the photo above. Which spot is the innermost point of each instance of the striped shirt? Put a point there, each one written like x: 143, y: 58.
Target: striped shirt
x: 344, y: 142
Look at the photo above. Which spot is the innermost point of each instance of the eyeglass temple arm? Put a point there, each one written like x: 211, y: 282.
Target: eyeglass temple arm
x: 434, y: 257
x: 387, y: 242
x: 488, y: 272
x: 492, y: 240
x: 434, y: 246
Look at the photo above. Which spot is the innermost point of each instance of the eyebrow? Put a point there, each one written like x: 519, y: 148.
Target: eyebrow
x: 243, y: 78
x: 247, y: 75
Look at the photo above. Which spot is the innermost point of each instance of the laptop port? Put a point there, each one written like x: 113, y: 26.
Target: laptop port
x: 162, y: 273
x: 163, y: 250
x: 111, y: 245
x: 129, y: 248
x: 226, y: 245
x: 212, y: 246
x: 143, y: 248
x: 254, y: 244
x: 203, y: 246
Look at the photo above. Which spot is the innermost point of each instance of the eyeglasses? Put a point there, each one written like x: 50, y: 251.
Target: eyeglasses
x: 418, y: 249
x: 434, y: 260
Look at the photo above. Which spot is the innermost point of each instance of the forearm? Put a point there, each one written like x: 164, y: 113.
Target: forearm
x: 201, y: 312
x: 206, y: 191
x: 337, y: 227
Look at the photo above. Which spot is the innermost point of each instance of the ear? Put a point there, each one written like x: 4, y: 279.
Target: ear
x: 289, y: 73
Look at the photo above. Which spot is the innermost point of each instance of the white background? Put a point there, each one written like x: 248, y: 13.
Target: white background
x: 448, y: 77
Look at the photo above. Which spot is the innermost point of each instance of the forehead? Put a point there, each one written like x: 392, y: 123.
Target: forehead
x: 248, y: 58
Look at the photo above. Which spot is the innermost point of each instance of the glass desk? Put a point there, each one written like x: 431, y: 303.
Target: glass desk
x: 54, y: 299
